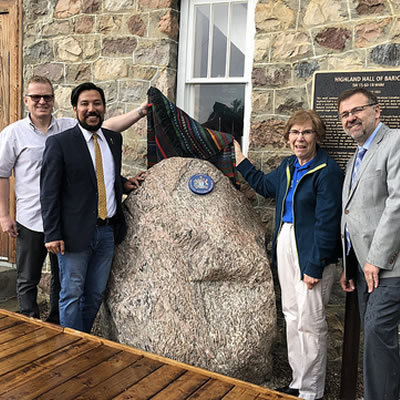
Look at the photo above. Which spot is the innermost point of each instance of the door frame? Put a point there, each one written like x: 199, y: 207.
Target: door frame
x: 14, y: 9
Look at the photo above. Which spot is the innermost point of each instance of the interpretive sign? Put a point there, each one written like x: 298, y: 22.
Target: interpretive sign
x: 327, y: 86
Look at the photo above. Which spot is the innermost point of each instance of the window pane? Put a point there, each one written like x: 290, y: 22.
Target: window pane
x: 202, y: 27
x: 220, y: 107
x: 220, y: 31
x: 238, y: 39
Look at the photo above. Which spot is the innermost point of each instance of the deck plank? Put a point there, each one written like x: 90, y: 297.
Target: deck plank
x: 183, y: 387
x: 90, y: 378
x: 42, y: 361
x: 7, y: 322
x: 121, y: 381
x: 212, y: 390
x: 21, y: 375
x: 17, y: 331
x: 275, y: 396
x: 24, y: 342
x: 152, y: 384
x: 239, y: 393
x: 55, y: 377
x: 33, y: 353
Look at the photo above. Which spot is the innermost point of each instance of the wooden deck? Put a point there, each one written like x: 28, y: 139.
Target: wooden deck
x: 44, y: 361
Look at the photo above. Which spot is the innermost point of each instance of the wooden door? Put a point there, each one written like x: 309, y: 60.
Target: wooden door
x: 10, y: 90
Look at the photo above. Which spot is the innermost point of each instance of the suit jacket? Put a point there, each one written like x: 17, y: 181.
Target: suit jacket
x: 68, y: 189
x: 371, y: 208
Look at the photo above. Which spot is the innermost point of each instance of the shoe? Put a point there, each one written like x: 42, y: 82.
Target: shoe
x: 288, y: 390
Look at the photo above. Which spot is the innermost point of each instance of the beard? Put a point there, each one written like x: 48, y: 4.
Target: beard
x: 91, y: 128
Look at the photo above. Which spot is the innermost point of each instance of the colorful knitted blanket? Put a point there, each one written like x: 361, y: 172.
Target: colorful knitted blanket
x: 171, y: 132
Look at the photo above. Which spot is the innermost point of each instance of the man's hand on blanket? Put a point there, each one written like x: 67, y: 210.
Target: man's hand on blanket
x: 238, y: 153
x: 134, y: 183
x: 142, y: 110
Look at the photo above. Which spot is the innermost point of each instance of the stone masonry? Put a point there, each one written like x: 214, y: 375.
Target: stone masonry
x: 125, y: 46
x: 128, y: 45
x: 296, y: 38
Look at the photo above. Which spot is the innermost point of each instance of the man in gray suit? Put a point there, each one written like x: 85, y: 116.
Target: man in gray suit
x: 371, y: 238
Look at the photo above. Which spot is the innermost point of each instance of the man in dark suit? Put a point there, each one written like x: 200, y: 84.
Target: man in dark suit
x: 371, y: 240
x: 81, y: 192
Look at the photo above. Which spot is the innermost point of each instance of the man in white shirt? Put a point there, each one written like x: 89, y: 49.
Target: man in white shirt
x: 21, y: 148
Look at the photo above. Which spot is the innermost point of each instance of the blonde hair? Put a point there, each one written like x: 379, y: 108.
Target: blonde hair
x: 40, y: 79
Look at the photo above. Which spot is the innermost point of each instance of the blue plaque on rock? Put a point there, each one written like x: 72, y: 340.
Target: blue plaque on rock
x: 201, y: 184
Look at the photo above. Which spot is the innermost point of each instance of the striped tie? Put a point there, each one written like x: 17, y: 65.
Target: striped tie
x: 360, y: 154
x: 101, y: 188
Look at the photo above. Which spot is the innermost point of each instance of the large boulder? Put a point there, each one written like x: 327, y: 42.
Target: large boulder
x: 191, y: 281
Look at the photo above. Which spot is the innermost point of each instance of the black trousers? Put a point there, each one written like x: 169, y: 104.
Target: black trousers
x: 31, y: 253
x: 380, y: 316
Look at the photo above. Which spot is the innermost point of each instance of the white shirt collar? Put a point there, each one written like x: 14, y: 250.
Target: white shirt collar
x: 88, y: 135
x: 371, y: 137
x: 52, y: 122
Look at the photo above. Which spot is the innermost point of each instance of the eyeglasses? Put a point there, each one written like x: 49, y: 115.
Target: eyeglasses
x: 36, y: 97
x: 355, y: 111
x: 306, y: 132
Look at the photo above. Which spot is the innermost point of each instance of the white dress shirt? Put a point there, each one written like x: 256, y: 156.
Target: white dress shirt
x: 108, y: 166
x: 21, y: 149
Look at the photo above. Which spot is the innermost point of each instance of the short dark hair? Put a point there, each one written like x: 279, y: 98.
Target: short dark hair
x: 82, y: 88
x: 40, y: 79
x: 372, y: 99
x: 302, y: 116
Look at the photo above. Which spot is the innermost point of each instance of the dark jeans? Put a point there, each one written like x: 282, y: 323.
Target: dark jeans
x: 380, y: 316
x: 84, y: 277
x: 31, y: 254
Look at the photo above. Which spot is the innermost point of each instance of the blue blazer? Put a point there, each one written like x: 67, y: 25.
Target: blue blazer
x: 316, y: 208
x: 68, y: 189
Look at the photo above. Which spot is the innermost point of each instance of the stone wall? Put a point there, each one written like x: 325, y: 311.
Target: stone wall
x: 128, y: 45
x: 293, y: 39
x: 125, y: 46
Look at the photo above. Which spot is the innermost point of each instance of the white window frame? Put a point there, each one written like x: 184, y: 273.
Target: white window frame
x: 185, y: 82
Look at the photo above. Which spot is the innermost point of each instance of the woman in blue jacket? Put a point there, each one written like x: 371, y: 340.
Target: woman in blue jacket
x: 307, y: 188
